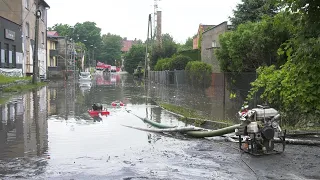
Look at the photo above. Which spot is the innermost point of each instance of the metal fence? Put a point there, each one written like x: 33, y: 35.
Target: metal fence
x: 219, y: 95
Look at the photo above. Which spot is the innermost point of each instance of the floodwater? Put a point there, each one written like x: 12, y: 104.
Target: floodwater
x: 48, y: 134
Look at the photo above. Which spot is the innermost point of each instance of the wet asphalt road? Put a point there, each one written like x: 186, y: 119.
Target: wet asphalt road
x: 60, y: 140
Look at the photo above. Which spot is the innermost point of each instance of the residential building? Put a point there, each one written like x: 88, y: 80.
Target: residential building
x: 28, y: 32
x: 127, y: 44
x: 210, y: 41
x: 60, y: 54
x: 11, y: 57
x: 52, y: 52
x: 201, y: 29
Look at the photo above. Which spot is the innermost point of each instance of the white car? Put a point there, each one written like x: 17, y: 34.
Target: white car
x: 85, y: 76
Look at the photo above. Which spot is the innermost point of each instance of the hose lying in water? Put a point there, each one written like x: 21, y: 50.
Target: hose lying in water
x: 152, y: 123
x: 177, y: 129
x: 192, y: 133
x: 212, y: 133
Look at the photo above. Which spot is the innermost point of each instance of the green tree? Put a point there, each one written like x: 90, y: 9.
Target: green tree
x: 111, y: 48
x: 294, y: 87
x: 179, y: 62
x: 253, y: 11
x: 135, y: 55
x: 88, y: 33
x: 62, y: 29
x: 188, y: 45
x: 252, y: 45
x: 168, y: 49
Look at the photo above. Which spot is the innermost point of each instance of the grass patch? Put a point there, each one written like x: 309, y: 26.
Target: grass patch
x: 294, y: 128
x: 3, y: 100
x: 8, y: 79
x: 23, y: 87
x: 190, y: 113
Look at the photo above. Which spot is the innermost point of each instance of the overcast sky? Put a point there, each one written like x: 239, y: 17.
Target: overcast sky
x: 129, y: 18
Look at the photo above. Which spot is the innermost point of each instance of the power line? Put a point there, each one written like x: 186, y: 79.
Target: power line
x: 27, y: 15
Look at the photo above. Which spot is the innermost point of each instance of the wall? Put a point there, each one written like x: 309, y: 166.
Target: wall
x: 28, y: 14
x: 207, y: 51
x: 13, y: 41
x: 9, y: 9
x: 51, y: 45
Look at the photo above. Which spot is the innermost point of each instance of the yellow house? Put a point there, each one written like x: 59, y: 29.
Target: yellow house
x: 51, y: 49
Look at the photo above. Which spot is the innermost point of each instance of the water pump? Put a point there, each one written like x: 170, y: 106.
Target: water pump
x: 259, y: 129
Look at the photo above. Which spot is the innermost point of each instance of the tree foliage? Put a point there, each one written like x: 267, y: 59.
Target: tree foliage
x: 294, y: 87
x: 105, y: 48
x: 177, y: 62
x: 255, y: 44
x: 199, y: 73
x: 62, y: 29
x: 111, y: 49
x: 135, y: 55
x: 253, y: 11
x: 168, y: 49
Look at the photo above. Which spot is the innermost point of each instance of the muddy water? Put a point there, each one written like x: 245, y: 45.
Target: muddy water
x: 47, y: 134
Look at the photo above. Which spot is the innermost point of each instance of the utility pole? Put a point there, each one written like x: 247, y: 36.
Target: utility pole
x: 35, y: 50
x: 146, y: 57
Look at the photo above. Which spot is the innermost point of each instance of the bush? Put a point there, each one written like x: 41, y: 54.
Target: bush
x: 199, y: 73
x: 163, y: 64
x: 179, y: 62
x: 194, y: 54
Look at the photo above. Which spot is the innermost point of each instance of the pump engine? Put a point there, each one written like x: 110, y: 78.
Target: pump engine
x: 259, y: 129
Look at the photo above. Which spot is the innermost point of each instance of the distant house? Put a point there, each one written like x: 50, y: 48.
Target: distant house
x: 52, y: 33
x: 210, y: 41
x: 51, y: 49
x: 201, y: 29
x: 127, y: 44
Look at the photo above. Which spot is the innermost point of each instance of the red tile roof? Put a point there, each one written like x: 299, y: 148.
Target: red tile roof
x: 126, y: 45
x: 52, y: 33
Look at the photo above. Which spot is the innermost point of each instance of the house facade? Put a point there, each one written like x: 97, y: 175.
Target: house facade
x: 11, y: 57
x: 209, y: 42
x: 201, y: 29
x: 28, y: 34
x: 51, y: 49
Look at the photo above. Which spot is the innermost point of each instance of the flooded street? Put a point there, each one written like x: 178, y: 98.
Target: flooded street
x: 48, y: 134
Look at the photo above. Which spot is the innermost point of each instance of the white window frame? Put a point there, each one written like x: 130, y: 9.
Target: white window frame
x: 214, y: 44
x: 27, y: 4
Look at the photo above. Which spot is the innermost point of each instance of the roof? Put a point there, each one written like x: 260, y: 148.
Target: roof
x: 44, y: 3
x: 215, y: 26
x: 206, y: 27
x: 52, y: 33
x: 126, y: 45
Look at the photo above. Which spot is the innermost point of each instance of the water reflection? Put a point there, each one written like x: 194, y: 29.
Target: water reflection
x: 24, y: 133
x: 23, y: 126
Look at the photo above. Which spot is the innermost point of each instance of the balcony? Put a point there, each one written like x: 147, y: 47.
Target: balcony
x: 53, y: 52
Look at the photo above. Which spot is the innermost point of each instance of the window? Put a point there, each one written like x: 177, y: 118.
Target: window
x: 42, y: 36
x: 214, y: 44
x: 6, y: 55
x: 27, y: 30
x: 26, y: 3
x: 14, y: 56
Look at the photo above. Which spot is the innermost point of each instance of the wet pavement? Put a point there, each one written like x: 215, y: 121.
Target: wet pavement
x: 48, y: 134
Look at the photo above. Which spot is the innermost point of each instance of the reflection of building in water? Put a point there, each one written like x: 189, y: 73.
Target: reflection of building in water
x: 61, y: 101
x: 51, y: 99
x: 20, y: 130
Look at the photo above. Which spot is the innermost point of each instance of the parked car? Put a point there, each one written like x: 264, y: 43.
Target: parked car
x: 85, y: 76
